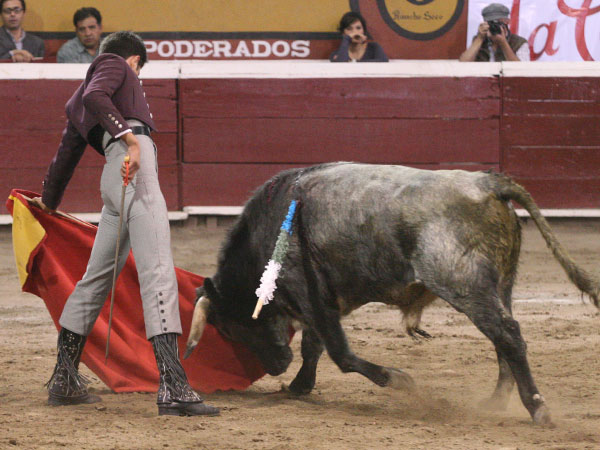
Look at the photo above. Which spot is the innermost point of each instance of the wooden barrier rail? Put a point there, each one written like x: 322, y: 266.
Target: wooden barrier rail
x: 226, y: 127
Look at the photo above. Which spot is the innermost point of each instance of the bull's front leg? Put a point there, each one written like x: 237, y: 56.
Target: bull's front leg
x: 312, y: 348
x: 330, y: 329
x: 320, y: 313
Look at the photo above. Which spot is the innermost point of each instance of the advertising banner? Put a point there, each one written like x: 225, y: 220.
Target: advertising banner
x: 556, y: 30
x: 263, y: 29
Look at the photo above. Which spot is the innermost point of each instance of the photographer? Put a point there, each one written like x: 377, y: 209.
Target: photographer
x: 494, y: 41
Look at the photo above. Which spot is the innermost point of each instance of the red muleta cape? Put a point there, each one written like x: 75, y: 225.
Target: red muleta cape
x: 52, y: 251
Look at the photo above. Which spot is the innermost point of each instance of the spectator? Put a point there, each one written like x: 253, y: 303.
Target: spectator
x: 83, y: 48
x: 355, y: 47
x: 494, y: 41
x: 15, y: 44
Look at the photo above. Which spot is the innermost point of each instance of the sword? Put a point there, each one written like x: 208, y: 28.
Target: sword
x: 114, y: 280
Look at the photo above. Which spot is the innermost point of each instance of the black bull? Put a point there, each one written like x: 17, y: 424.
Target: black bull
x: 390, y: 234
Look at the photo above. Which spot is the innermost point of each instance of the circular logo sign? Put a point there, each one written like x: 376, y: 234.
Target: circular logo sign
x: 420, y: 19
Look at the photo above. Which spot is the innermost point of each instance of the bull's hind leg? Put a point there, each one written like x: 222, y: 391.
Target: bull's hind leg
x: 420, y: 299
x: 490, y: 317
x: 506, y: 381
x: 504, y: 386
x: 312, y: 348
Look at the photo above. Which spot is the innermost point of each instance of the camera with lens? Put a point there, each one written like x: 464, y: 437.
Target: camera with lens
x: 495, y: 27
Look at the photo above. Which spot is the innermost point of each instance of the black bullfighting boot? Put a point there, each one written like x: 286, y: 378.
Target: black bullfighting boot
x: 175, y: 395
x: 66, y: 385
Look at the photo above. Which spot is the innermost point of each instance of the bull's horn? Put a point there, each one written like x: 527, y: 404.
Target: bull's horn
x: 198, y: 324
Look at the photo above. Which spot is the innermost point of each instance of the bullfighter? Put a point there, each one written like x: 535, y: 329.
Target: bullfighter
x: 109, y: 111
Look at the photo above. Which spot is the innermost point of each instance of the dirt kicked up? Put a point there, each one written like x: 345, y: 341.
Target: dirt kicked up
x: 455, y: 371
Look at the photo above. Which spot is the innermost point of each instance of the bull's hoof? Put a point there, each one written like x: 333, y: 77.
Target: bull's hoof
x: 400, y: 380
x: 298, y: 388
x: 542, y: 417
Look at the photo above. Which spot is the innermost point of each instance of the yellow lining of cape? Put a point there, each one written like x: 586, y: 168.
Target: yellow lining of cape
x: 27, y: 233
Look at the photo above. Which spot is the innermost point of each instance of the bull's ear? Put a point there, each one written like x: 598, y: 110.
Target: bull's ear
x: 210, y: 290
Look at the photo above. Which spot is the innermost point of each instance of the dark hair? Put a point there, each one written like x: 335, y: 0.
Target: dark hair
x: 22, y: 4
x: 125, y: 44
x: 84, y: 13
x: 349, y: 18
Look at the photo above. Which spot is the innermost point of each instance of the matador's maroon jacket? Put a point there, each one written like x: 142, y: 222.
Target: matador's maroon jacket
x: 110, y: 94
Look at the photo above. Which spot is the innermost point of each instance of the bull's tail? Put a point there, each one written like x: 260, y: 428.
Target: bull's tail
x: 509, y: 190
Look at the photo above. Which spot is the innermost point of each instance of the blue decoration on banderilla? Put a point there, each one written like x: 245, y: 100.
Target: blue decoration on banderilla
x: 269, y: 277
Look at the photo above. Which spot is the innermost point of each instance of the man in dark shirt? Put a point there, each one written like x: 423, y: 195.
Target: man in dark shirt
x: 15, y: 44
x: 109, y: 111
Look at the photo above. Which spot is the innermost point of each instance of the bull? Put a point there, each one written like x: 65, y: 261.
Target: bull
x: 372, y: 233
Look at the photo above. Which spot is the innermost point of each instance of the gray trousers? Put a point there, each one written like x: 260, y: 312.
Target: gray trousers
x: 145, y: 230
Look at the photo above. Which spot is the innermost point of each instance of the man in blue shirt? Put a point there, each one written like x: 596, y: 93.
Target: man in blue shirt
x: 83, y: 48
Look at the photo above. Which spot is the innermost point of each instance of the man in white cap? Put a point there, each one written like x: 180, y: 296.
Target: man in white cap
x: 494, y: 41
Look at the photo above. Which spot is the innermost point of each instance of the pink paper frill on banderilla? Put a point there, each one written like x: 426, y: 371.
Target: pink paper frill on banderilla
x: 58, y: 261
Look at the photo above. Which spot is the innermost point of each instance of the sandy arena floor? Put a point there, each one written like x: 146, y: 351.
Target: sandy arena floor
x: 454, y: 371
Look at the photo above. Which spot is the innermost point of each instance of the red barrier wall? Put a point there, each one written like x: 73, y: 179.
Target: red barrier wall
x: 551, y: 139
x: 32, y: 118
x: 222, y: 137
x: 255, y: 127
